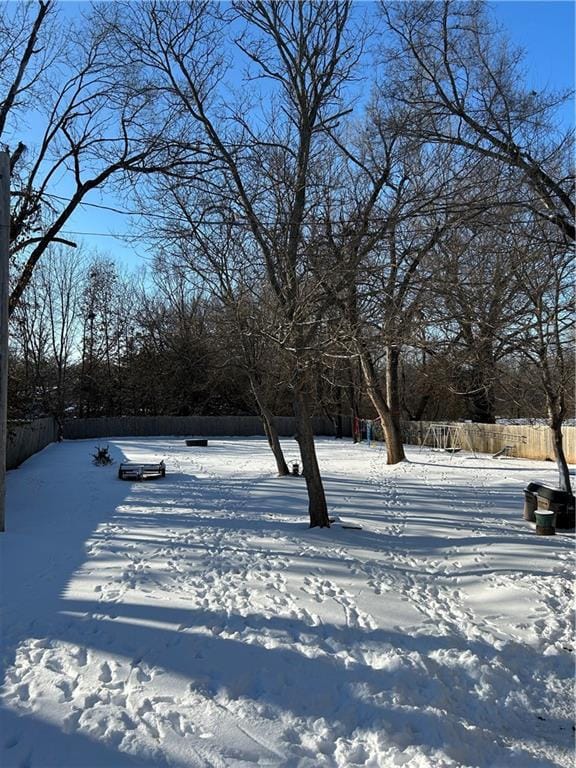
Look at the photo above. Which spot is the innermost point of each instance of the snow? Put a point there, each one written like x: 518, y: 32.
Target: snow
x: 195, y: 620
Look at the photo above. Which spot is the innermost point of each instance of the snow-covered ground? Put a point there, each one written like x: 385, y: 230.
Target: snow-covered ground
x: 196, y: 620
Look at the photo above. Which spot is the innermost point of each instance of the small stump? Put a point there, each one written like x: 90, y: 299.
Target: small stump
x: 198, y: 443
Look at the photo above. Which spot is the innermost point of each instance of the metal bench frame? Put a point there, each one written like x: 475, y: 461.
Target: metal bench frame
x: 136, y: 470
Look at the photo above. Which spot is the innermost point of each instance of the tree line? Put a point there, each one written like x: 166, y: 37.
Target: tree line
x: 352, y: 210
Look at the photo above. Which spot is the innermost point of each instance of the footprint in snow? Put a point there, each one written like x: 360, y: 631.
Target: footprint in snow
x: 23, y: 692
x: 105, y: 675
x: 71, y: 722
x: 142, y: 675
x: 67, y: 687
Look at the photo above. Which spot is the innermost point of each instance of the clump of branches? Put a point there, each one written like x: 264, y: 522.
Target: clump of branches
x: 102, y: 456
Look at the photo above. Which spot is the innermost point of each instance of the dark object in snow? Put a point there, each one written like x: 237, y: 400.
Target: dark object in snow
x: 102, y: 456
x: 133, y: 470
x: 503, y: 452
x: 295, y: 468
x: 193, y: 442
x: 538, y: 496
x: 545, y: 522
x: 531, y: 501
x: 343, y: 523
x: 560, y: 502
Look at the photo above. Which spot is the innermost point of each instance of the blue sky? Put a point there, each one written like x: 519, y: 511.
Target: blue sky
x: 544, y: 29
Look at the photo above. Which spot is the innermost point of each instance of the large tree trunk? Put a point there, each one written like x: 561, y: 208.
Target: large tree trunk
x: 274, y: 443
x: 392, y: 434
x: 354, y: 398
x: 480, y: 404
x: 421, y: 406
x: 270, y: 431
x: 317, y: 507
x: 558, y: 443
x: 338, y: 425
x: 393, y: 385
x: 555, y: 403
x: 563, y: 471
x: 478, y: 382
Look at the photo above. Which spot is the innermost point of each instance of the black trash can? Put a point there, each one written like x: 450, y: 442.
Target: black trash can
x: 561, y: 502
x: 531, y: 501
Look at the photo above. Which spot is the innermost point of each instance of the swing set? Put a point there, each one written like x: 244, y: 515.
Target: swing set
x: 450, y: 438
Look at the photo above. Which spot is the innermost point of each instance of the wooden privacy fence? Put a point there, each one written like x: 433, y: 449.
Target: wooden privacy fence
x: 25, y: 438
x: 144, y: 426
x: 527, y: 441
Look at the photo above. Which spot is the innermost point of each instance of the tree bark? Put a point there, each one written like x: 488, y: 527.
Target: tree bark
x: 393, y: 385
x: 558, y: 444
x: 563, y: 471
x: 480, y: 397
x: 352, y: 389
x: 270, y: 431
x: 274, y: 443
x: 317, y: 506
x: 421, y: 406
x: 392, y: 434
x: 481, y: 407
x: 556, y: 411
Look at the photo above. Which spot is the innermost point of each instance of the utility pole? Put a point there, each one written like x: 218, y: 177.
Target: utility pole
x: 4, y: 266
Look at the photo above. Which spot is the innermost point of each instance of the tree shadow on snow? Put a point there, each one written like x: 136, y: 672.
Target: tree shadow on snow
x: 215, y: 652
x: 337, y: 685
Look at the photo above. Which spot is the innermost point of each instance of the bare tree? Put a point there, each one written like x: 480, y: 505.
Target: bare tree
x: 87, y: 133
x: 479, y: 304
x: 258, y: 361
x: 261, y: 161
x: 217, y: 260
x: 45, y: 329
x: 393, y: 203
x: 547, y: 335
x: 108, y: 307
x: 453, y: 78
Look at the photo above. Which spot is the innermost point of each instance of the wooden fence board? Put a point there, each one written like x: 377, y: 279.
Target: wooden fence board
x: 528, y: 441
x: 25, y: 438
